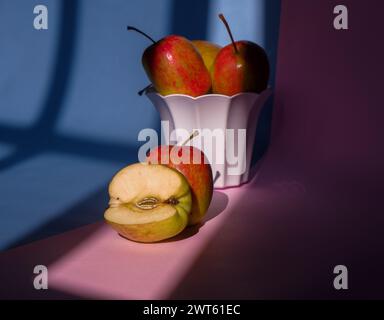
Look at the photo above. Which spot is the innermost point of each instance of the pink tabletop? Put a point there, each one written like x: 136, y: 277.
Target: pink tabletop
x: 95, y: 262
x: 277, y: 237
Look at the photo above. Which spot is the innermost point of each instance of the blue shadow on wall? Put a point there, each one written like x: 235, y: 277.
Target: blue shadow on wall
x: 34, y: 140
x: 189, y: 18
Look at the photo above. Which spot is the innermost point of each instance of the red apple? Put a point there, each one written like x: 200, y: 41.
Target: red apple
x: 241, y: 66
x: 174, y: 65
x: 194, y: 165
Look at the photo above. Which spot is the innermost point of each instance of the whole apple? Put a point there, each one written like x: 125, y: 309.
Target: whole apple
x: 241, y: 66
x: 194, y: 165
x: 174, y: 66
x: 244, y: 69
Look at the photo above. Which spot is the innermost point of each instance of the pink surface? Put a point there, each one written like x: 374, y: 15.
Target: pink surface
x: 109, y: 266
x: 277, y: 237
x: 95, y: 262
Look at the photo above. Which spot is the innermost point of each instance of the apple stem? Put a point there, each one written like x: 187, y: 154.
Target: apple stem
x: 141, y: 32
x: 221, y: 16
x: 140, y: 93
x: 194, y: 134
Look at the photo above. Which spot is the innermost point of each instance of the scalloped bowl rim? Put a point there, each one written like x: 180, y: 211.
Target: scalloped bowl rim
x: 213, y: 95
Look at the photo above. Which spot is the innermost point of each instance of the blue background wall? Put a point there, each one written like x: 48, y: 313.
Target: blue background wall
x: 69, y: 109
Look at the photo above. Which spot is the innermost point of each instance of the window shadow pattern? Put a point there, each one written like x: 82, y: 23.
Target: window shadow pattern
x: 189, y: 19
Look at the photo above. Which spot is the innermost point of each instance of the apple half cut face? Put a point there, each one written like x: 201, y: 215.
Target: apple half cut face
x: 148, y: 202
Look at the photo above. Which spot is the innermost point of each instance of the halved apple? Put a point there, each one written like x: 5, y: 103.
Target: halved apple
x: 148, y: 202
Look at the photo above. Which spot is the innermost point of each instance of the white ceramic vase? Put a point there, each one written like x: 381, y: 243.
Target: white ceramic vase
x: 229, y: 155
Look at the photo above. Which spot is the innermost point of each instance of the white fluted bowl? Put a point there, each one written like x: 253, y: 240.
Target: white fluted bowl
x: 212, y: 112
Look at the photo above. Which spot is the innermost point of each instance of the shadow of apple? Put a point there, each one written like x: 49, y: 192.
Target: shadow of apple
x: 218, y: 204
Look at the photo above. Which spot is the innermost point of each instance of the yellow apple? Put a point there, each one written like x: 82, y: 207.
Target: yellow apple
x: 208, y: 51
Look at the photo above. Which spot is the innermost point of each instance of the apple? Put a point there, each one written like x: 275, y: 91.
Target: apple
x: 241, y: 66
x: 148, y: 202
x: 208, y: 51
x: 198, y: 175
x: 174, y: 66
